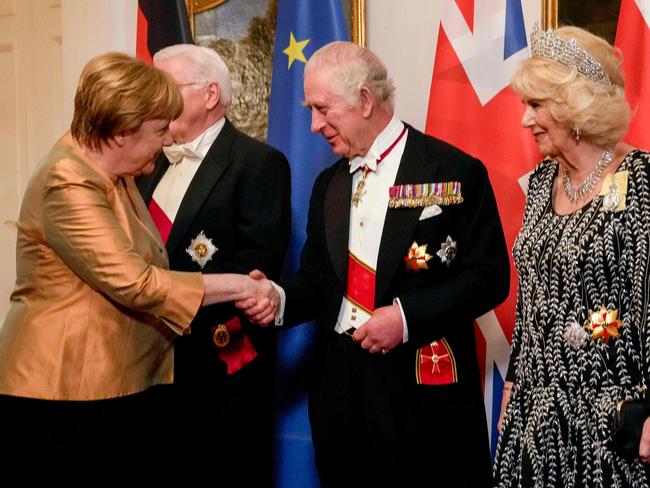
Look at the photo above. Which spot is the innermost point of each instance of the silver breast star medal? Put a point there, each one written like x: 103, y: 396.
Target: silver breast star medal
x: 201, y: 249
x: 447, y: 251
x: 575, y: 335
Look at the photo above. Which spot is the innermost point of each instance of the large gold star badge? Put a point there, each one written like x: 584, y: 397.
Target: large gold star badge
x: 294, y: 51
x: 417, y: 257
x: 603, y: 324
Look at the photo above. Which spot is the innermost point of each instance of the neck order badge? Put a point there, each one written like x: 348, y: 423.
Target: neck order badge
x: 361, y: 184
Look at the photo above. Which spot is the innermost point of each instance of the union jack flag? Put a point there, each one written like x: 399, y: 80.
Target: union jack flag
x: 480, y: 43
x: 633, y: 38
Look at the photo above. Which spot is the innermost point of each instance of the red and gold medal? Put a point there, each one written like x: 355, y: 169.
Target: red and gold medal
x: 604, y: 324
x: 220, y: 336
x: 417, y: 257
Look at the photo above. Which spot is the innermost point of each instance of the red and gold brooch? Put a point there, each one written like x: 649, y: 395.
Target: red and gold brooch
x: 603, y: 324
x: 417, y: 257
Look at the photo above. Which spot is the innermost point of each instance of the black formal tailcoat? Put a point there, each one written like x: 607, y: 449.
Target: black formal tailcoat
x: 367, y: 411
x: 240, y: 198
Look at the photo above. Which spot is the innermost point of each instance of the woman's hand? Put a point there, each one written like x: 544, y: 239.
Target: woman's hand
x: 259, y: 293
x: 504, y: 403
x: 644, y: 446
x: 263, y: 301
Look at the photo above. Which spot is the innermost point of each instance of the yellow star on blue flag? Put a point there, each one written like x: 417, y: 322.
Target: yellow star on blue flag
x: 317, y: 23
x: 294, y: 51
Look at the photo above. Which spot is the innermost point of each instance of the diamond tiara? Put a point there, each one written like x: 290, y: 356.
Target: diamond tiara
x: 548, y: 45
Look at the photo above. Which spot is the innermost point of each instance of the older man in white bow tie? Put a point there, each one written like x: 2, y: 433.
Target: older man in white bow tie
x: 221, y: 201
x: 404, y: 249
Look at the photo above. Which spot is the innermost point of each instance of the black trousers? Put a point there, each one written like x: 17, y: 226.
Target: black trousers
x: 225, y: 422
x: 372, y: 425
x: 59, y: 439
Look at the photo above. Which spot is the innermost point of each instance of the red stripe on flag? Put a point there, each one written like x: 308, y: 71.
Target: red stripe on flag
x: 142, y: 38
x: 633, y: 39
x: 466, y: 7
x: 492, y: 133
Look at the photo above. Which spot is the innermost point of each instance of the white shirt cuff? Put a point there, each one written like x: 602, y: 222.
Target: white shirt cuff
x: 405, y: 331
x: 279, y: 316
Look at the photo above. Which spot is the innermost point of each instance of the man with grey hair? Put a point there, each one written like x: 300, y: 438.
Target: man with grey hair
x: 404, y: 250
x: 222, y: 203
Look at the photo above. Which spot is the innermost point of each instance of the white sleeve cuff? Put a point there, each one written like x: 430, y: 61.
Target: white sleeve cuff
x: 279, y: 317
x: 405, y: 331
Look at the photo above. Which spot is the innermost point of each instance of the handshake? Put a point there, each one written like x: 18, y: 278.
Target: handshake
x: 261, y: 301
x: 253, y: 294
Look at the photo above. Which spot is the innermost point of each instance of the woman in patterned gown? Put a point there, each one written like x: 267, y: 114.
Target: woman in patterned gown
x: 581, y: 343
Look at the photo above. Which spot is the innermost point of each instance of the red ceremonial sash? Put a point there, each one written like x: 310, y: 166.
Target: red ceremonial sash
x: 161, y: 220
x: 361, y: 284
x: 239, y: 351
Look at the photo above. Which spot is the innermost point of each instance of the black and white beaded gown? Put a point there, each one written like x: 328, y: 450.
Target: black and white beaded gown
x: 558, y: 425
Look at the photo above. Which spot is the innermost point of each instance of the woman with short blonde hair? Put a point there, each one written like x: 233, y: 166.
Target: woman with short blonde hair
x: 95, y: 310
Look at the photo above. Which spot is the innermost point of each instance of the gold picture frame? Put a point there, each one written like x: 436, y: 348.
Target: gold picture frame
x: 357, y: 15
x: 359, y: 22
x: 601, y: 16
x: 549, y: 14
x: 245, y: 42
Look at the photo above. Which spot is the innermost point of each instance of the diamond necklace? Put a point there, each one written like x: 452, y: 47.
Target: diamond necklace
x: 580, y: 192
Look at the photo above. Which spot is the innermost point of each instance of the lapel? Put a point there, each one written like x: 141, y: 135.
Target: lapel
x: 215, y: 163
x: 143, y: 218
x: 337, y: 218
x: 147, y: 185
x: 416, y: 166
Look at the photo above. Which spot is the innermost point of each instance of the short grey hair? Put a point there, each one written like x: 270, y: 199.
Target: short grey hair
x: 207, y: 67
x: 352, y: 67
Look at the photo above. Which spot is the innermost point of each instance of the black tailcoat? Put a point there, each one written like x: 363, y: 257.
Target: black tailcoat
x: 240, y: 198
x: 370, y: 421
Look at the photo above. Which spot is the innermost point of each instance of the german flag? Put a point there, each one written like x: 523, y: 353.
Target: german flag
x: 161, y: 23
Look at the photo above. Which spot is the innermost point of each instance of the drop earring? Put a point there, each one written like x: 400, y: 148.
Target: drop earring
x: 576, y: 133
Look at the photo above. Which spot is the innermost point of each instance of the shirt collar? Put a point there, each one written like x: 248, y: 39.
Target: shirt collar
x: 203, y: 142
x: 385, y: 138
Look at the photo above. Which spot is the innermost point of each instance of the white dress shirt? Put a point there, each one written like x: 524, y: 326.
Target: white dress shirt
x: 172, y: 186
x: 367, y: 218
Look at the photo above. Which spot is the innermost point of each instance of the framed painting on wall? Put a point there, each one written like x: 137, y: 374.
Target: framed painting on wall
x: 243, y: 33
x: 597, y: 16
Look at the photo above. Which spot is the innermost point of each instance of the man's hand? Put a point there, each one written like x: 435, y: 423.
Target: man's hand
x: 382, y: 332
x: 263, y: 300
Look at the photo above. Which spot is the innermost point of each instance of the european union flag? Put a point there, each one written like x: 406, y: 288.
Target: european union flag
x: 302, y: 27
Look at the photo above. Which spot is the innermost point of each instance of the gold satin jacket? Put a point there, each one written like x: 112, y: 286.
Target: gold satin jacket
x: 94, y: 311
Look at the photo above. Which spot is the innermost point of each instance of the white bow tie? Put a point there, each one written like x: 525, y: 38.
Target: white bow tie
x: 368, y: 161
x: 176, y: 152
